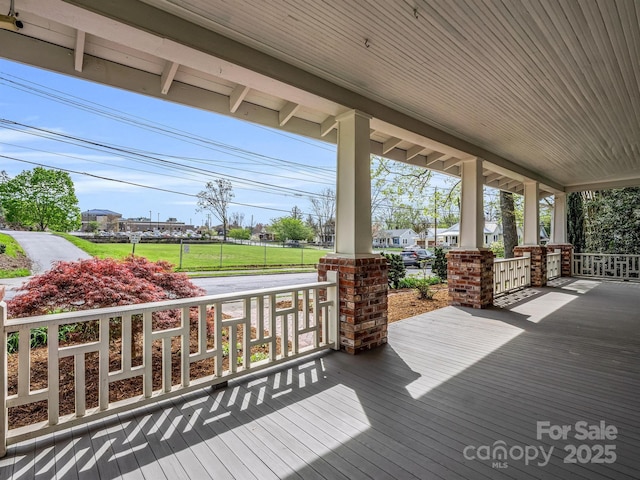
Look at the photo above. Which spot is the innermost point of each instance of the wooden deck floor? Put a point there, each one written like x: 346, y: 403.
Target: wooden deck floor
x: 448, y: 382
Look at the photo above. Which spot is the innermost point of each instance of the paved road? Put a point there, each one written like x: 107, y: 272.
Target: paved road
x: 44, y: 248
x: 216, y: 285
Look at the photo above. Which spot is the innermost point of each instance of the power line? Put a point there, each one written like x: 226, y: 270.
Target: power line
x: 140, y: 157
x: 166, y: 190
x: 143, y: 123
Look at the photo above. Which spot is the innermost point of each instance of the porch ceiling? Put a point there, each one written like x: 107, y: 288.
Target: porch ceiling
x: 544, y: 90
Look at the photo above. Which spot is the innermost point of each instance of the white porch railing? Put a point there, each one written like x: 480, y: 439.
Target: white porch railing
x: 511, y: 274
x: 605, y: 265
x: 287, y: 322
x: 554, y: 265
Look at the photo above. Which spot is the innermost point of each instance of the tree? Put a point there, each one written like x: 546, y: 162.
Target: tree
x: 236, y: 219
x: 324, y: 211
x: 42, y: 199
x: 289, y: 228
x: 240, y: 233
x: 509, y: 230
x: 296, y: 213
x: 215, y: 198
x: 613, y: 221
x: 575, y: 222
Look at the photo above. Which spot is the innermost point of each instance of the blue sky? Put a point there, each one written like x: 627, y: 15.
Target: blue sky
x: 218, y: 144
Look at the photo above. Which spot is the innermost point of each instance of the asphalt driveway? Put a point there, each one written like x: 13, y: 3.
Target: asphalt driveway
x: 45, y: 248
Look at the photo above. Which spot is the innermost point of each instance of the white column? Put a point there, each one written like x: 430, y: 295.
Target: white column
x: 471, y: 205
x: 353, y: 192
x: 531, y: 214
x: 559, y: 224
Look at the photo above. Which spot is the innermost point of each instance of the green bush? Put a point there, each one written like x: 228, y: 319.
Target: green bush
x: 498, y: 249
x: 3, y: 248
x: 397, y: 271
x: 421, y: 285
x: 439, y: 266
x: 416, y: 282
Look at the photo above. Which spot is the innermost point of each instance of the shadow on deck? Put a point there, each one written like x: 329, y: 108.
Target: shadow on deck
x: 448, y: 383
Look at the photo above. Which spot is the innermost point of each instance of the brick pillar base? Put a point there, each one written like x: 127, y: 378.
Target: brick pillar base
x: 566, y: 250
x: 470, y: 278
x: 538, y: 262
x: 363, y: 300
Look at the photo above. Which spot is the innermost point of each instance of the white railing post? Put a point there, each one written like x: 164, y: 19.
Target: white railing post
x: 4, y: 412
x: 334, y: 311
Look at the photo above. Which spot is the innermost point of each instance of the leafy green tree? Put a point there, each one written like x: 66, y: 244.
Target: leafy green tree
x: 613, y: 218
x: 240, y: 233
x: 42, y: 199
x: 93, y: 226
x: 289, y: 228
x: 575, y: 222
x: 397, y: 270
x: 440, y: 263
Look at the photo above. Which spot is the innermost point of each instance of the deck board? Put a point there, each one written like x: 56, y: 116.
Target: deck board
x: 448, y: 379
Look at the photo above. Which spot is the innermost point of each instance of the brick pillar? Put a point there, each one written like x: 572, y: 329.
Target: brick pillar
x: 566, y: 251
x: 538, y: 262
x: 363, y: 300
x: 470, y: 278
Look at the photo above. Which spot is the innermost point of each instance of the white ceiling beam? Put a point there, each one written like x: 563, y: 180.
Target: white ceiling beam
x: 491, y: 177
x: 452, y: 162
x: 327, y: 125
x: 78, y: 53
x: 504, y: 181
x: 434, y: 157
x: 390, y: 144
x: 287, y: 112
x: 415, y: 151
x: 237, y: 97
x: 168, y: 74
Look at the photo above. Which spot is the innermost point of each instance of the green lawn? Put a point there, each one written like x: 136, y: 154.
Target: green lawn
x: 206, y: 257
x: 13, y: 249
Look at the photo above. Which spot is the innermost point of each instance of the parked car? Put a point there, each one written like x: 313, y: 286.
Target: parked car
x: 416, y: 258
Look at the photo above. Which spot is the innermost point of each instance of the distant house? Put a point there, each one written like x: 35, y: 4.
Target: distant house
x: 403, y: 237
x: 451, y: 236
x: 492, y: 233
x: 106, y: 220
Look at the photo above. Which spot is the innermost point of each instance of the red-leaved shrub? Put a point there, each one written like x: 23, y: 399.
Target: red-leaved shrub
x: 97, y: 283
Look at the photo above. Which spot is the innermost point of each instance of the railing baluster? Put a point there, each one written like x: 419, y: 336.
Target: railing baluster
x: 4, y: 414
x: 217, y: 338
x: 103, y: 369
x: 185, y: 376
x: 78, y: 371
x: 53, y: 380
x: 24, y: 367
x: 147, y: 343
x: 246, y: 335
